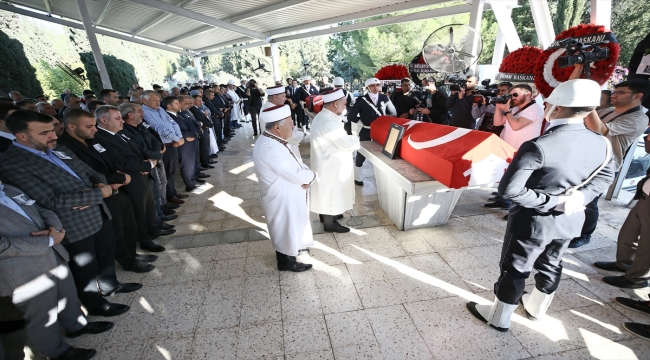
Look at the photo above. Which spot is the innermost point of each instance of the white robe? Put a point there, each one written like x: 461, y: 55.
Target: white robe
x: 235, y: 113
x: 214, y: 146
x: 295, y: 138
x: 280, y: 177
x: 331, y: 157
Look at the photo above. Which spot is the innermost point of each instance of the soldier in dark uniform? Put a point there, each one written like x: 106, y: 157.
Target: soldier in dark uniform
x: 549, y: 181
x: 365, y: 110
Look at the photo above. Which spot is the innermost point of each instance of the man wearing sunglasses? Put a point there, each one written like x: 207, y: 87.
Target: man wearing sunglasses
x: 522, y: 120
x: 622, y: 125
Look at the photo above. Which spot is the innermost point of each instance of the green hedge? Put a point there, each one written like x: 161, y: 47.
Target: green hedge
x: 121, y: 73
x: 16, y: 72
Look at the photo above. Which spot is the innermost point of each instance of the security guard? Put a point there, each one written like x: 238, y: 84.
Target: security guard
x: 366, y: 109
x: 549, y: 181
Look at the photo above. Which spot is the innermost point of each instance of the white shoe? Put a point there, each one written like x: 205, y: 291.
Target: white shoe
x: 536, y: 303
x: 496, y: 315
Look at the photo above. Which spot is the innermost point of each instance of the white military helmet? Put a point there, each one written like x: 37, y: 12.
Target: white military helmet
x: 373, y: 81
x: 574, y: 93
x: 231, y: 82
x: 338, y: 81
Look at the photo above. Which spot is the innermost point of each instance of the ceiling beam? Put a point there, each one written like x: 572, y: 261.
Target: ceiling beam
x: 234, y: 48
x: 160, y: 18
x: 107, y: 8
x: 408, y: 5
x: 190, y: 33
x: 201, y: 18
x: 76, y: 25
x: 224, y: 44
x: 422, y: 15
x: 265, y: 10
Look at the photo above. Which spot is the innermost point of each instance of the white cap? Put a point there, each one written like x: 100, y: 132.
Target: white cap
x: 372, y: 81
x: 306, y: 78
x: 576, y: 93
x: 275, y: 113
x: 338, y: 81
x: 243, y: 80
x: 332, y: 95
x: 274, y: 90
x: 231, y: 82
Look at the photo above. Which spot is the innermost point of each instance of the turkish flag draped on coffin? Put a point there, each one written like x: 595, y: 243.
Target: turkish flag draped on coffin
x: 453, y: 156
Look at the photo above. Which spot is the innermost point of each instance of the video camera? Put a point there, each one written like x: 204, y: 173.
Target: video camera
x: 579, y: 53
x: 455, y: 82
x: 490, y: 92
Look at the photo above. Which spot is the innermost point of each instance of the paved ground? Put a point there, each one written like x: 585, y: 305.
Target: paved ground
x: 374, y: 293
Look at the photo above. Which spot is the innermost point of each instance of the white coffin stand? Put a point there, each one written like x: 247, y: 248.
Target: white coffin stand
x: 410, y: 198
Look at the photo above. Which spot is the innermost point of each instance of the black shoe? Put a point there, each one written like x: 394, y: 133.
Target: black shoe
x: 222, y: 148
x: 166, y: 232
x: 203, y: 176
x: 336, y: 228
x: 139, y: 267
x: 188, y: 189
x: 337, y: 217
x: 358, y: 183
x: 471, y: 306
x: 200, y: 181
x: 74, y: 353
x: 295, y: 267
x: 497, y: 205
x: 94, y: 327
x: 212, y: 162
x: 109, y: 309
x: 151, y: 246
x: 496, y: 198
x: 7, y: 327
x: 623, y: 283
x: 635, y: 305
x: 206, y: 167
x: 170, y: 206
x: 182, y: 196
x: 578, y: 242
x: 608, y: 265
x: 124, y: 288
x: 640, y: 330
x: 168, y: 217
x: 203, y: 168
x: 505, y: 217
x: 254, y: 134
x: 164, y: 226
x: 214, y: 156
x: 168, y: 212
x: 146, y: 257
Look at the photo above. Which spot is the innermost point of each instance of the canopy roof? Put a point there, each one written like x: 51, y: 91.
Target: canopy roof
x: 205, y: 27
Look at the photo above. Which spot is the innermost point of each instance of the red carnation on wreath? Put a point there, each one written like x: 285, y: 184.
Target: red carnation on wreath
x: 548, y: 75
x: 520, y: 61
x: 392, y: 72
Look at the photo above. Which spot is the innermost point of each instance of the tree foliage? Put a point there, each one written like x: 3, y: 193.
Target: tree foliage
x: 120, y: 72
x: 15, y: 69
x: 630, y: 23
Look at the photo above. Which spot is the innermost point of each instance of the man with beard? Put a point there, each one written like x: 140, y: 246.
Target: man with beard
x: 460, y: 103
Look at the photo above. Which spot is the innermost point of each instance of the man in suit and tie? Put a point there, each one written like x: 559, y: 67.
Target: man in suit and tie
x: 35, y: 274
x: 56, y: 179
x: 216, y: 117
x: 135, y: 162
x: 549, y: 181
x: 206, y: 123
x: 186, y: 152
x: 186, y: 103
x: 6, y: 137
x: 79, y: 136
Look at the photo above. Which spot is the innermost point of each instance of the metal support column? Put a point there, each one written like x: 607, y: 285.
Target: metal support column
x: 502, y: 12
x: 601, y: 12
x: 543, y: 22
x: 94, y: 45
x: 475, y: 18
x: 275, y: 61
x: 199, y: 69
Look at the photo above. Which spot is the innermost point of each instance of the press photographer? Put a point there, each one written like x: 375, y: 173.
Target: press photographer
x: 460, y: 103
x: 484, y: 109
x: 433, y: 103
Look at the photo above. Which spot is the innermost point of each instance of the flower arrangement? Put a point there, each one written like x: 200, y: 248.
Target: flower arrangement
x: 392, y: 72
x: 619, y: 75
x: 521, y: 61
x: 548, y: 75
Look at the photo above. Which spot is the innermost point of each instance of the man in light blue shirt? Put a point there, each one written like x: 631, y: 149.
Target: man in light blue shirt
x: 169, y: 133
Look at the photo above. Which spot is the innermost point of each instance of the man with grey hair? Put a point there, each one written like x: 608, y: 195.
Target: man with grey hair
x: 46, y: 108
x: 284, y: 183
x: 136, y: 98
x: 15, y: 95
x: 70, y: 101
x: 57, y: 104
x: 27, y: 104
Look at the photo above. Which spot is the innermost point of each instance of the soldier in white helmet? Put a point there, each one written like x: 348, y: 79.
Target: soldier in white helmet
x: 549, y: 181
x: 366, y: 109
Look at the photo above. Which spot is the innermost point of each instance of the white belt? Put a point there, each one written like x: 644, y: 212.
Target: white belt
x: 366, y: 127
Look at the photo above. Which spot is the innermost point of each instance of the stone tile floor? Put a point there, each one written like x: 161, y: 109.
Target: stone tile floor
x: 376, y: 293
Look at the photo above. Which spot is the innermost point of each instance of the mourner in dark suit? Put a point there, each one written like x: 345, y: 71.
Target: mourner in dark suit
x: 80, y: 138
x: 206, y: 123
x: 6, y: 137
x: 364, y: 111
x: 32, y: 258
x: 56, y: 179
x: 241, y: 91
x: 186, y: 103
x: 134, y: 161
x: 549, y: 181
x: 187, y: 151
x: 217, y: 117
x: 297, y: 94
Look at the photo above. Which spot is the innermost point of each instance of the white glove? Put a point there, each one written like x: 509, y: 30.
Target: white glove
x: 571, y: 203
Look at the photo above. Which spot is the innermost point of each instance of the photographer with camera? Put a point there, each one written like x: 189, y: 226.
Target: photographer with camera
x: 460, y: 103
x: 255, y: 95
x: 521, y: 123
x: 433, y: 103
x: 484, y: 110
